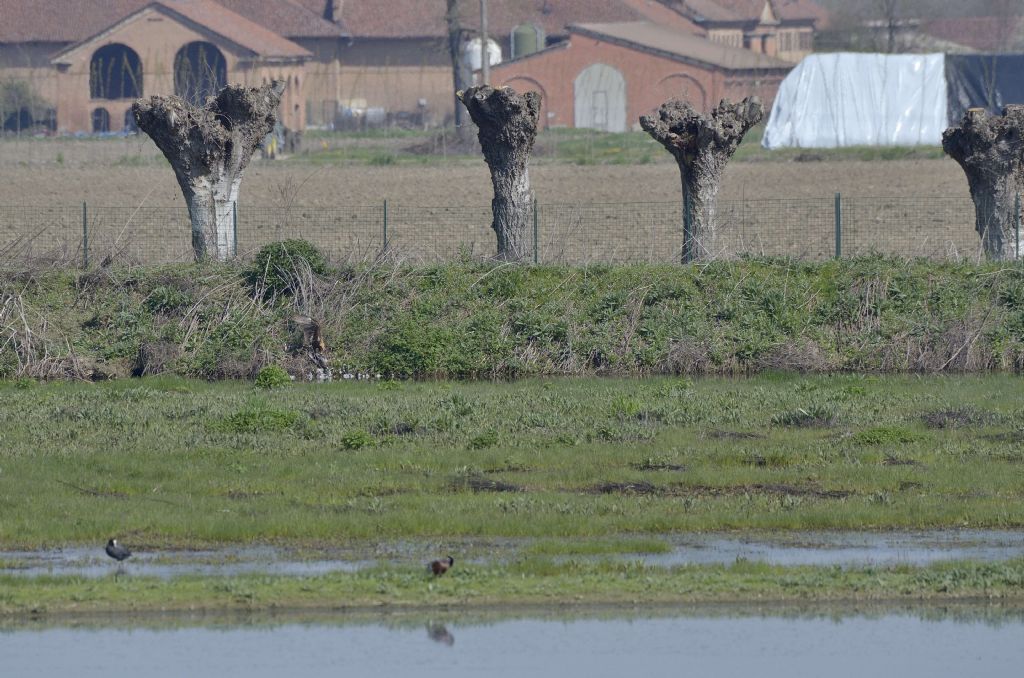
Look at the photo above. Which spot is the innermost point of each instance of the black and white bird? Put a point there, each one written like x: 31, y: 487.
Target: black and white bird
x: 116, y: 551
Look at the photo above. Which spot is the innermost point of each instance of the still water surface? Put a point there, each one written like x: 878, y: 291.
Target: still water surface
x: 710, y: 641
x: 846, y: 549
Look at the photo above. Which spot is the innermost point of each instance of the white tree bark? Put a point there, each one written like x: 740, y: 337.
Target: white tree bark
x: 209, y: 148
x: 702, y: 146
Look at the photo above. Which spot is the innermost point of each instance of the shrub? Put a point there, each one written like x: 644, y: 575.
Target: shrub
x: 885, y: 435
x: 272, y: 376
x: 259, y: 420
x: 280, y: 266
x: 356, y: 439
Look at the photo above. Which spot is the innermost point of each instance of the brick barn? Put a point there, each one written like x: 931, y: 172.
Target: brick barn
x: 88, y: 60
x: 605, y: 76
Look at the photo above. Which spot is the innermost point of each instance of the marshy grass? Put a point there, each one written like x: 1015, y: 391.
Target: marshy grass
x: 164, y: 461
x: 535, y: 581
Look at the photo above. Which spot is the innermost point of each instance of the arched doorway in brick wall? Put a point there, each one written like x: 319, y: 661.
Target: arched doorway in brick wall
x: 115, y: 72
x: 599, y: 94
x: 685, y: 88
x: 200, y: 70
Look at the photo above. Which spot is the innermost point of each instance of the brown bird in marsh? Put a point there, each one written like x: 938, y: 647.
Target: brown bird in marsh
x: 439, y: 567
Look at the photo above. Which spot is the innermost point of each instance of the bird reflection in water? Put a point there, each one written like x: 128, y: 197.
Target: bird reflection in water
x: 440, y: 634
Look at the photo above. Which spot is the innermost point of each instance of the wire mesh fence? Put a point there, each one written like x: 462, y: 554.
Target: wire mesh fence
x: 561, y: 233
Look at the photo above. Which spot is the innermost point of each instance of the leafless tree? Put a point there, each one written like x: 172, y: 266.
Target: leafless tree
x: 702, y: 145
x: 507, y: 123
x: 990, y: 149
x: 456, y: 38
x: 891, y: 12
x: 209, y: 148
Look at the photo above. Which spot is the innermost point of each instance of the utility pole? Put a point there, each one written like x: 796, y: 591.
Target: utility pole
x: 485, y: 53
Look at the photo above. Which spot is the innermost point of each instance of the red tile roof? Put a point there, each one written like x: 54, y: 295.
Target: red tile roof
x: 217, y: 19
x: 75, y: 20
x: 748, y: 10
x: 234, y: 27
x: 425, y: 18
x: 686, y: 46
x: 796, y: 10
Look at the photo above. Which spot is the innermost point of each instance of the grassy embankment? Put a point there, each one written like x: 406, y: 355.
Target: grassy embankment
x: 528, y: 582
x: 477, y: 320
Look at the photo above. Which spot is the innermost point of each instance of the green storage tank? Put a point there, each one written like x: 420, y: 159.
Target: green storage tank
x: 526, y: 39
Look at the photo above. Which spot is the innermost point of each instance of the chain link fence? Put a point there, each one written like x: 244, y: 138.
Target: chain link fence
x: 564, y: 233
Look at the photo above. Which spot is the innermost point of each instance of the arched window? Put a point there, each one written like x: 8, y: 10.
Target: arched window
x: 100, y: 120
x: 115, y: 72
x: 199, y: 71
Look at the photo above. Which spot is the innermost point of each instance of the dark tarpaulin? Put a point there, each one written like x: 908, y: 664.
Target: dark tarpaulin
x: 983, y: 81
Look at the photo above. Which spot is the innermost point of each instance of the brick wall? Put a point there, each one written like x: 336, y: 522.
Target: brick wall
x: 650, y: 79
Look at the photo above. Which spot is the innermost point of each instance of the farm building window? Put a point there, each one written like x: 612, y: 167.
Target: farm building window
x: 115, y: 72
x: 101, y: 120
x: 199, y: 71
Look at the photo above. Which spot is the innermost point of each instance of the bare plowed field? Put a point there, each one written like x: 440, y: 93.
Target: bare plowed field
x: 129, y: 173
x: 439, y: 209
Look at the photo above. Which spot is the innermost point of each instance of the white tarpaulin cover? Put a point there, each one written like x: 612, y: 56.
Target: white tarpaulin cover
x: 848, y: 99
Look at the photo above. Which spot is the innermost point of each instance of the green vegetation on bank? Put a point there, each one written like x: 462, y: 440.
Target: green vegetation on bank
x: 483, y: 320
x: 527, y: 582
x: 164, y: 462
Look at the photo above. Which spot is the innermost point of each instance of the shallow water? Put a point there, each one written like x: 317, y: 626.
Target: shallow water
x: 846, y: 548
x: 799, y: 548
x: 766, y: 642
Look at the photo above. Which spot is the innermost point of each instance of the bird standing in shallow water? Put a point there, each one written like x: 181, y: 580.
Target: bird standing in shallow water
x: 116, y: 551
x: 439, y: 567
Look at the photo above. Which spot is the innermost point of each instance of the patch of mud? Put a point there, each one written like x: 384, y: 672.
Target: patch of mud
x: 680, y: 490
x: 958, y: 417
x: 642, y: 487
x: 652, y: 465
x: 479, y: 483
x: 720, y: 434
x: 899, y: 461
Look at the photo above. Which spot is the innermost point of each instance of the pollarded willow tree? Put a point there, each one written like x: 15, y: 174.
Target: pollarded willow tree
x: 702, y: 146
x: 209, y: 148
x: 990, y: 149
x: 507, y: 124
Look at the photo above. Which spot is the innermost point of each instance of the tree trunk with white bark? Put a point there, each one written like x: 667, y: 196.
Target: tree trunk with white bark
x: 209, y: 148
x: 702, y: 146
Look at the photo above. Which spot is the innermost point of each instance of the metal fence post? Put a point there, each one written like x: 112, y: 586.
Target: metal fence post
x: 234, y: 226
x: 839, y: 225
x: 85, y: 235
x: 385, y: 247
x: 536, y: 232
x: 687, y: 227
